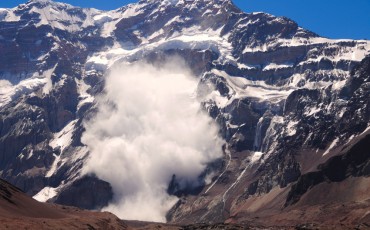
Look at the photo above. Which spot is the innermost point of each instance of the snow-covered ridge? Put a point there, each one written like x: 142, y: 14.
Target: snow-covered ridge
x: 58, y: 15
x: 193, y: 37
x: 27, y: 86
x: 8, y: 15
x: 244, y: 88
x: 355, y: 53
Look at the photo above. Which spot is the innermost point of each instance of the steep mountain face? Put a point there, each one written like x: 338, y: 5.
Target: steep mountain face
x: 292, y: 106
x: 317, y: 166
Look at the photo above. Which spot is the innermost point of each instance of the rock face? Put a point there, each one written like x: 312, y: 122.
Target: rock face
x: 354, y: 163
x: 87, y: 192
x: 292, y: 106
x: 302, y: 171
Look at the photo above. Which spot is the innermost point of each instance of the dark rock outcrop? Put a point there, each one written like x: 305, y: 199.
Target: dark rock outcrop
x: 354, y: 163
x: 87, y: 192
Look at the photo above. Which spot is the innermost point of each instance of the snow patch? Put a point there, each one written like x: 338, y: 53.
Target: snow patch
x: 8, y: 15
x: 228, y: 154
x: 332, y: 145
x: 10, y: 92
x: 84, y: 96
x: 102, y: 18
x: 367, y: 129
x: 54, y: 166
x: 45, y: 194
x: 273, y: 66
x: 131, y: 11
x: 255, y: 157
x: 291, y: 128
x: 311, y: 111
x: 63, y: 138
x: 339, y: 85
x: 175, y: 19
x: 243, y: 87
x: 98, y: 62
x: 246, y: 66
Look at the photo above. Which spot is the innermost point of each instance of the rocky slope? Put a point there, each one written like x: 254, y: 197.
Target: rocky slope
x: 292, y: 106
x: 18, y: 211
x: 302, y: 174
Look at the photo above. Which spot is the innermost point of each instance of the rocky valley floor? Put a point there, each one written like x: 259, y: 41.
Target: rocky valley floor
x: 19, y: 211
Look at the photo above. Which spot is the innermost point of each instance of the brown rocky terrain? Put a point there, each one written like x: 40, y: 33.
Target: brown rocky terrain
x: 333, y: 196
x: 19, y: 211
x: 319, y: 210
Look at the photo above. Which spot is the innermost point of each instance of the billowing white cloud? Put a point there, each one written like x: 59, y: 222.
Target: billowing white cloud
x: 149, y: 126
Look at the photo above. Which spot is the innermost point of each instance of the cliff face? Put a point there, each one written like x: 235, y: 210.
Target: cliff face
x: 302, y: 175
x: 292, y: 106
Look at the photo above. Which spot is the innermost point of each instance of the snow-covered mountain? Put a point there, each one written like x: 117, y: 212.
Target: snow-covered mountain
x: 288, y: 102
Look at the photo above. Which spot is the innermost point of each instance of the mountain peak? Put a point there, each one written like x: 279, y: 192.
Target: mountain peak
x: 39, y: 1
x: 45, y: 3
x: 185, y: 2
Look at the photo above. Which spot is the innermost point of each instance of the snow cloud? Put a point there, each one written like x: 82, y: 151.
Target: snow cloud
x: 149, y: 127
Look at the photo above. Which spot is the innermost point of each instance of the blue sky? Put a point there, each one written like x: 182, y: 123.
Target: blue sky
x: 328, y: 18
